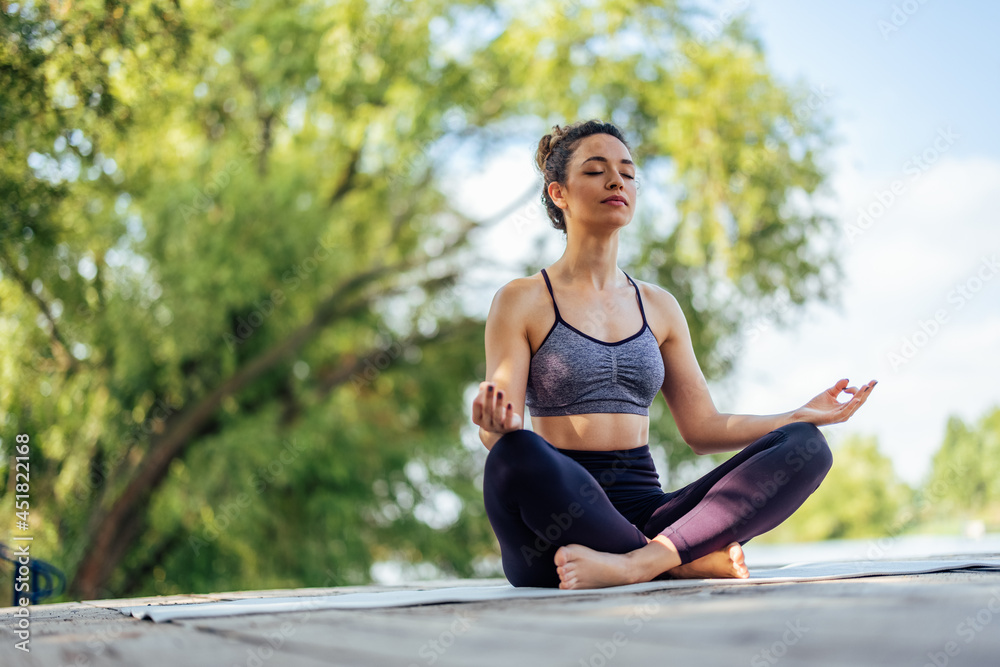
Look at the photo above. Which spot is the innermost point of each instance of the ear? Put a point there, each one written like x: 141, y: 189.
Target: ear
x: 557, y: 194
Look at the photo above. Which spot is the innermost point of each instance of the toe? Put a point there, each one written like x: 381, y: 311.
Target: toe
x: 560, y: 557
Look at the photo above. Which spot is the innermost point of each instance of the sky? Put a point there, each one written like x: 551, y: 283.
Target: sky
x: 915, y: 98
x: 916, y: 182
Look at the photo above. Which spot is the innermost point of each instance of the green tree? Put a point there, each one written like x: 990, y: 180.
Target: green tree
x: 965, y: 474
x: 231, y: 280
x: 860, y: 497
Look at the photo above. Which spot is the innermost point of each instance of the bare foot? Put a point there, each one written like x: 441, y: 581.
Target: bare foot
x: 582, y: 567
x: 724, y: 563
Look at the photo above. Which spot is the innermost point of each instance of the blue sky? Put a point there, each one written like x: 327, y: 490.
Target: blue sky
x: 941, y: 66
x: 922, y: 272
x: 915, y: 114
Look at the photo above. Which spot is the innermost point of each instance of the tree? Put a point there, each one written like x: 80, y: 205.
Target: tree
x: 965, y: 474
x: 231, y: 282
x: 860, y: 497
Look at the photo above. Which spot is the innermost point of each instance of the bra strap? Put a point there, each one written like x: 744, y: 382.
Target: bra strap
x: 549, y: 285
x: 638, y: 296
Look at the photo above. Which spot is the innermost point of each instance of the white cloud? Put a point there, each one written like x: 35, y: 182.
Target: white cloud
x: 899, y: 274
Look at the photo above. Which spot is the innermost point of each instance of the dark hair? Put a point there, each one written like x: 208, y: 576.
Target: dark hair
x: 554, y: 153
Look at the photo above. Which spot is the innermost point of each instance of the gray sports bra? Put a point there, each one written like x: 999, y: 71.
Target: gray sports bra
x: 573, y: 373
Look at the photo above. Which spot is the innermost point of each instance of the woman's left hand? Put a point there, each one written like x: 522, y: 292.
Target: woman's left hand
x: 826, y: 409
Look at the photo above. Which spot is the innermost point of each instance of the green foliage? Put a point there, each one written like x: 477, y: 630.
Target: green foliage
x: 230, y: 278
x: 860, y: 497
x: 965, y: 475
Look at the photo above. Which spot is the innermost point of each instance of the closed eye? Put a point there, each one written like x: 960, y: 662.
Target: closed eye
x: 597, y: 173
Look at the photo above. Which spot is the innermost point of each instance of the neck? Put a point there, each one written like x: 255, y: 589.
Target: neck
x: 590, y: 260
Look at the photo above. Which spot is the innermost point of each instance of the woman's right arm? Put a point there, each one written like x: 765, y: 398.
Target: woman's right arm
x: 499, y: 406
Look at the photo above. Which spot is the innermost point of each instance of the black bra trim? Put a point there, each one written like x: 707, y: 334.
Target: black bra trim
x: 637, y: 296
x: 642, y: 311
x: 605, y: 343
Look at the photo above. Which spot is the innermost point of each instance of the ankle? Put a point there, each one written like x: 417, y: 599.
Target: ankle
x: 652, y: 560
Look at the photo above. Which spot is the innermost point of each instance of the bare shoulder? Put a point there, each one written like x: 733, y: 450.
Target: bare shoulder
x: 520, y: 303
x: 663, y: 311
x: 519, y: 296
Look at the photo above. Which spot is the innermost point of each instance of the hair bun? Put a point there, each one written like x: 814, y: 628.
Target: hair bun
x: 547, y: 145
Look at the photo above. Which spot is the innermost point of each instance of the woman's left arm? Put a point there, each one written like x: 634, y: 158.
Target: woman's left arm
x: 702, y: 426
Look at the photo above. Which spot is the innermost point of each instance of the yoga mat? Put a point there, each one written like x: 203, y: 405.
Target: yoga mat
x: 790, y: 573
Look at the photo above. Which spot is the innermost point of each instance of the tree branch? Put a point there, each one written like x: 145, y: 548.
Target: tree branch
x: 60, y: 350
x: 110, y: 538
x: 107, y: 544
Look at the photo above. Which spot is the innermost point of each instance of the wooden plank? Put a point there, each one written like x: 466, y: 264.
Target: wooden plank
x: 901, y: 620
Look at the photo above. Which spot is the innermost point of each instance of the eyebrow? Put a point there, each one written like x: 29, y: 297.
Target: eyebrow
x: 603, y: 159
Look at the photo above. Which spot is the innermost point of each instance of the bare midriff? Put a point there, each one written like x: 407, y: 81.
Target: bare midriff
x: 594, y: 432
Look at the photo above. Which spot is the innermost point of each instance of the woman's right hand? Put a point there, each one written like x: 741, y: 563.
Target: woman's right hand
x: 491, y: 413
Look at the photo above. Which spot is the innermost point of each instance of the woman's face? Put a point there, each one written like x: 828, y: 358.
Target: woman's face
x: 601, y: 167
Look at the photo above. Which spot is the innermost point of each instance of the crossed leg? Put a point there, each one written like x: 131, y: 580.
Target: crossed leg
x: 538, y: 500
x: 546, y: 510
x: 698, y: 530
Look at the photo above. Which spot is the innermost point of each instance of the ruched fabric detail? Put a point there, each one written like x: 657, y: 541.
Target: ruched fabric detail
x: 573, y: 373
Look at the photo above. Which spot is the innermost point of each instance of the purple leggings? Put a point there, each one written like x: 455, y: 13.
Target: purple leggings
x: 539, y: 498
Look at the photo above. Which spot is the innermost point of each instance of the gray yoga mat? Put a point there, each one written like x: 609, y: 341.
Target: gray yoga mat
x: 408, y: 598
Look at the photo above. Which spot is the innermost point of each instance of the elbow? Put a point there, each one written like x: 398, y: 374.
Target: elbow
x: 692, y: 441
x: 702, y: 435
x: 698, y: 444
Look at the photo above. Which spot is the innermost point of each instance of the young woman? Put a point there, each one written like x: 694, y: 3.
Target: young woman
x: 576, y: 503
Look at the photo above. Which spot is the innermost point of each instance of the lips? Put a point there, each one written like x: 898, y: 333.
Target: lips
x: 615, y: 198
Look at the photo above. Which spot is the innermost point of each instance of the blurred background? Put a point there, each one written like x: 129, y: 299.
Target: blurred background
x: 247, y: 250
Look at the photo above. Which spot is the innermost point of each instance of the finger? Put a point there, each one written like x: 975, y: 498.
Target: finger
x: 866, y: 392
x: 489, y: 407
x: 859, y: 400
x: 499, y: 415
x: 862, y: 394
x: 513, y: 418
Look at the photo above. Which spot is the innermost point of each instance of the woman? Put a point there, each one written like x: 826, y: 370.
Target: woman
x: 577, y: 502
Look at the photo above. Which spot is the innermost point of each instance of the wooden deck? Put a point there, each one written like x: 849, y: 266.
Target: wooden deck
x: 949, y: 618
